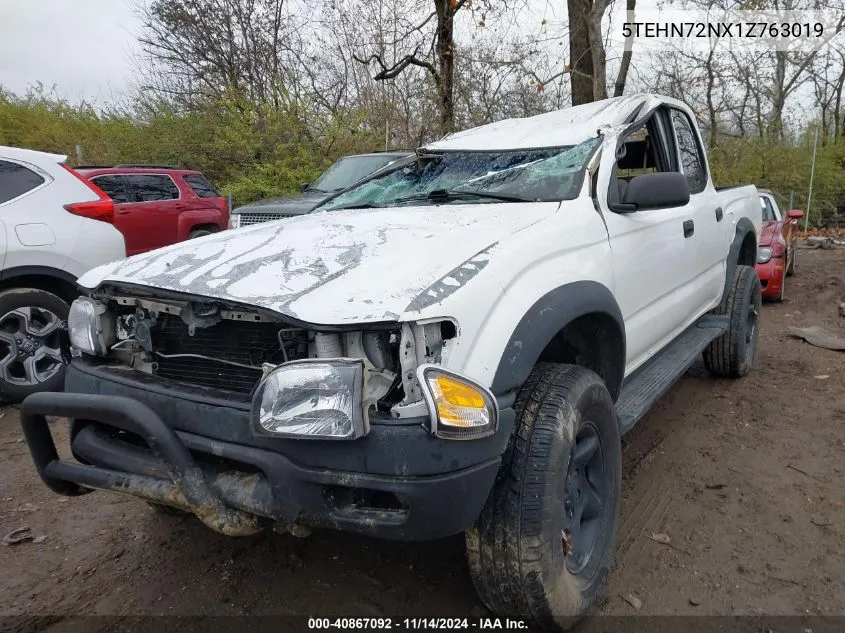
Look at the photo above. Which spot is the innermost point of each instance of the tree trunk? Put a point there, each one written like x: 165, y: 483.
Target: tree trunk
x: 711, y: 108
x: 445, y: 47
x: 597, y: 51
x: 837, y: 107
x: 622, y: 76
x: 580, y: 56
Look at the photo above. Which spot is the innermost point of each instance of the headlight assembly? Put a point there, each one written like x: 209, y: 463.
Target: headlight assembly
x: 91, y: 326
x: 313, y: 399
x: 763, y: 255
x: 460, y: 409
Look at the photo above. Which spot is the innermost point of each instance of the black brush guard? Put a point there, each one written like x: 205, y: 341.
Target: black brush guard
x: 175, y: 478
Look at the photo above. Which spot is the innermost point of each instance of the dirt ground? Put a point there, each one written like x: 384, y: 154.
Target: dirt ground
x: 745, y: 477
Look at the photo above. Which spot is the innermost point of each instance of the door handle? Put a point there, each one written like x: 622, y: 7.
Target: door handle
x: 689, y: 228
x: 719, y: 214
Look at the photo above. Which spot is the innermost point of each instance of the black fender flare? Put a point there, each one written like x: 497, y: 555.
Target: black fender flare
x: 744, y: 227
x: 54, y: 280
x: 40, y: 271
x: 544, y: 320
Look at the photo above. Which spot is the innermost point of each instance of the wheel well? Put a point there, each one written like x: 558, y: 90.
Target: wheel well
x: 214, y: 228
x: 748, y: 251
x: 593, y: 341
x: 59, y: 287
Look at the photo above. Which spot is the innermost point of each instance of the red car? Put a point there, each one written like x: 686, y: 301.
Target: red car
x: 157, y: 205
x: 778, y: 247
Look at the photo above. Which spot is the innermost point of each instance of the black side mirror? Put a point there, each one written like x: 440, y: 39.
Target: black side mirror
x: 655, y: 191
x: 304, y: 186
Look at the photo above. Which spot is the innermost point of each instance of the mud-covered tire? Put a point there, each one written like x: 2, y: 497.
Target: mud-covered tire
x: 517, y: 548
x: 34, y: 347
x: 732, y: 354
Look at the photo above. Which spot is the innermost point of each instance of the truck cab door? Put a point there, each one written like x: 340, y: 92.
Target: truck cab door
x: 654, y: 252
x: 713, y: 232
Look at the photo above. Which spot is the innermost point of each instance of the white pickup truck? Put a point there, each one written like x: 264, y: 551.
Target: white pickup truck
x: 454, y: 345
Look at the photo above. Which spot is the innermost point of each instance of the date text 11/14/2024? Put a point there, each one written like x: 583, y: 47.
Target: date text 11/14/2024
x: 416, y: 624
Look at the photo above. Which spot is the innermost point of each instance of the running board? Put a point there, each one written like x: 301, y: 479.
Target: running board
x: 642, y: 389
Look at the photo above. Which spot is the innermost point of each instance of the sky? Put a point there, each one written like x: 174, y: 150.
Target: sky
x: 84, y: 47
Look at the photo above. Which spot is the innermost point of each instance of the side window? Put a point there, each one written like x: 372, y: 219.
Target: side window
x: 113, y: 186
x: 646, y: 150
x: 775, y: 209
x: 770, y: 208
x: 768, y: 213
x: 16, y: 180
x: 692, y: 161
x: 149, y: 188
x: 201, y: 186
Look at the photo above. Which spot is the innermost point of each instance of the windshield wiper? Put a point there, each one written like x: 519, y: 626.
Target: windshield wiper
x: 457, y: 194
x: 454, y: 193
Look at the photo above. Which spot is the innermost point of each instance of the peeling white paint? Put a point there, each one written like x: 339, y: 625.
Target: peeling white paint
x: 332, y: 268
x: 561, y: 128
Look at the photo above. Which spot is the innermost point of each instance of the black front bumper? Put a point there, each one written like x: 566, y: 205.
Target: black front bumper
x: 137, y: 436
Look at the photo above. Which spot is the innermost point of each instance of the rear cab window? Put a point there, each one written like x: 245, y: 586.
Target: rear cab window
x: 200, y: 186
x: 16, y: 180
x: 152, y: 187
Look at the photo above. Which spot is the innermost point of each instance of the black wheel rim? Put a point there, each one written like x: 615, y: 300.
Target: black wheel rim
x: 751, y: 329
x: 583, y: 507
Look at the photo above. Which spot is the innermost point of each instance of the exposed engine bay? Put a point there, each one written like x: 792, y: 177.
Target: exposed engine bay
x: 221, y: 347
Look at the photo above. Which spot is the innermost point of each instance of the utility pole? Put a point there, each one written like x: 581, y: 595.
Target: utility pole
x: 812, y: 173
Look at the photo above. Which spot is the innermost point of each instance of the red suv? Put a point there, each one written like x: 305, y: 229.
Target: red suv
x: 157, y: 205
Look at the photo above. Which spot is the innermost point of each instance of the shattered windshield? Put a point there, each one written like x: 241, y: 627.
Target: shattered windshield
x: 550, y: 174
x: 347, y: 171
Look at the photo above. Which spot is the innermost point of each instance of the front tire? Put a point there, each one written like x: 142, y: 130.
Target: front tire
x: 33, y: 343
x: 791, y: 268
x: 732, y: 354
x: 543, y: 545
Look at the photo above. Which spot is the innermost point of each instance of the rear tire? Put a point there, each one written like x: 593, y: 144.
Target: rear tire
x: 34, y: 347
x: 732, y: 354
x: 532, y: 553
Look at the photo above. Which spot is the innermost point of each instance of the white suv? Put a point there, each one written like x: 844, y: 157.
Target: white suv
x: 54, y: 226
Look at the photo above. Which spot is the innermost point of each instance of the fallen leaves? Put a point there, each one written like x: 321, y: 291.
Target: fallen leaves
x: 633, y: 601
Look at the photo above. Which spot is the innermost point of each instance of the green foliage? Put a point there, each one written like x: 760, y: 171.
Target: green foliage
x: 250, y: 151
x: 784, y: 168
x: 255, y: 152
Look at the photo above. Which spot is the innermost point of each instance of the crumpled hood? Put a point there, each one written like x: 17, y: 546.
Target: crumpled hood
x: 338, y: 267
x: 769, y: 231
x: 291, y: 205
